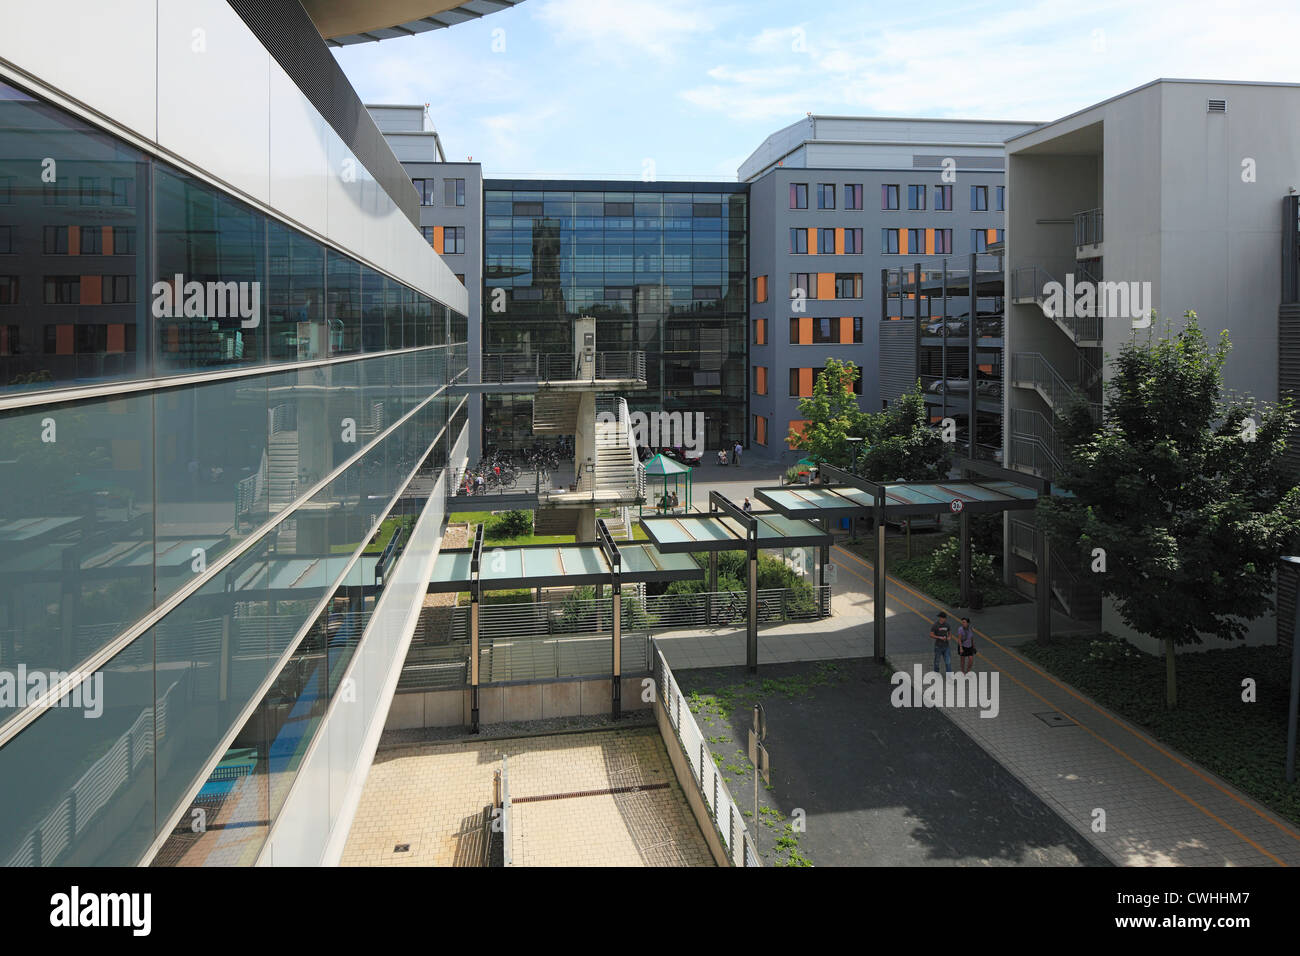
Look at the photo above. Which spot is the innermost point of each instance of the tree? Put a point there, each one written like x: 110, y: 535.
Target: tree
x: 1180, y: 500
x: 897, y: 442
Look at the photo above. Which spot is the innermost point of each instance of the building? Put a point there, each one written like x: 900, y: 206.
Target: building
x: 835, y: 202
x: 451, y: 217
x: 1178, y: 195
x: 226, y: 423
x: 659, y: 266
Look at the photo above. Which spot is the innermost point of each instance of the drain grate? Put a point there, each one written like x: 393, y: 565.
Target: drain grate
x: 1054, y: 718
x: 402, y: 848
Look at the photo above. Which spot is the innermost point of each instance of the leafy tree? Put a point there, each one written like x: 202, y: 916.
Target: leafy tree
x: 1184, y: 493
x: 897, y: 442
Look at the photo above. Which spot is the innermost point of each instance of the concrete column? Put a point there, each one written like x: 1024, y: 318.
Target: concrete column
x: 473, y: 661
x: 618, y: 651
x: 751, y: 642
x: 586, y: 532
x: 879, y: 596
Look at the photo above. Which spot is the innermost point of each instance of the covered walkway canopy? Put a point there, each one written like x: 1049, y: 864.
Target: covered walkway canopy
x: 844, y: 495
x: 554, y: 565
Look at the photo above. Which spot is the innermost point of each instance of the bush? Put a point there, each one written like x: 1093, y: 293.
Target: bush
x: 510, y: 524
x: 945, y: 562
x: 1110, y: 651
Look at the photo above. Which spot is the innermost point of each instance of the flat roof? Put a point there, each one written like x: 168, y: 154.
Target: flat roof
x: 902, y: 499
x: 674, y: 534
x: 557, y: 565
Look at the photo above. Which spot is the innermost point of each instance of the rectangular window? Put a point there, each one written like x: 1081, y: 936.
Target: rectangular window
x: 825, y: 195
x: 56, y: 240
x: 852, y: 242
x: 943, y: 242
x: 531, y: 209
x: 943, y: 198
x: 92, y: 240
x: 848, y: 285
x: 857, y: 330
x: 6, y: 240
x: 427, y: 232
x: 453, y: 240
x: 979, y: 240
x: 118, y: 289
x: 760, y: 380
x: 453, y: 192
x: 62, y: 290
x: 794, y: 382
x: 1002, y: 199
x: 123, y: 191
x: 803, y: 283
x: 916, y: 241
x: 825, y: 331
x: 979, y: 199
x: 889, y: 242
x: 798, y: 195
x: 853, y: 196
x: 124, y: 241
x: 760, y: 430
x: 760, y: 331
x: 915, y: 197
x: 55, y: 194
x: 88, y: 190
x: 617, y: 209
x: 425, y: 188
x: 826, y: 242
x: 889, y: 197
x: 760, y: 288
x: 8, y: 290
x: 6, y: 190
x: 794, y: 330
x: 799, y: 241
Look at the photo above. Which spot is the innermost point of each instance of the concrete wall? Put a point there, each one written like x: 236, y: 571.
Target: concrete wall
x: 499, y: 703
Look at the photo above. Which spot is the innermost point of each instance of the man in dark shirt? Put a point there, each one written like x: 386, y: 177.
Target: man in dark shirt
x: 939, y: 633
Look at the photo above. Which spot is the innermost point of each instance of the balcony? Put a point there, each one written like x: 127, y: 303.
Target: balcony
x: 514, y: 371
x: 1034, y: 285
x: 1032, y: 370
x: 1088, y: 233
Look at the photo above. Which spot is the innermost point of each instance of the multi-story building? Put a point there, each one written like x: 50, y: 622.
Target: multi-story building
x: 1174, y: 196
x: 659, y: 266
x: 226, y: 359
x: 451, y: 216
x: 835, y: 201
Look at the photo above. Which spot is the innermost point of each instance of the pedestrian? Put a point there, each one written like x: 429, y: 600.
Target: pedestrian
x: 478, y: 484
x: 722, y: 456
x: 673, y: 501
x: 736, y: 452
x: 748, y: 507
x: 939, y: 632
x: 966, y: 645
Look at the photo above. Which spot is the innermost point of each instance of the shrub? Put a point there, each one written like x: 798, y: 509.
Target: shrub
x: 510, y: 524
x: 945, y: 562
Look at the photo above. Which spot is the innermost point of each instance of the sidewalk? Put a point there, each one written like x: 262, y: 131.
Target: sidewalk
x: 1159, y: 807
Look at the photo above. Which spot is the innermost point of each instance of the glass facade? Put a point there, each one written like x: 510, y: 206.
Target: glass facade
x: 660, y: 266
x: 253, y: 485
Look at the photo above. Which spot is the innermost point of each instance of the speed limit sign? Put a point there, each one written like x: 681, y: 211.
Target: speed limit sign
x: 955, y: 505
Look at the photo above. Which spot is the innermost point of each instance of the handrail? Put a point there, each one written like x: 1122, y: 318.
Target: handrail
x: 1088, y: 229
x: 1034, y: 367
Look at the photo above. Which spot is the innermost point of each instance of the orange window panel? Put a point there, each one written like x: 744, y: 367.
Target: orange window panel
x: 92, y: 290
x: 74, y: 240
x: 805, y: 330
x: 839, y: 242
x: 826, y: 285
x: 760, y: 379
x: 929, y: 242
x: 846, y: 330
x: 106, y: 239
x: 812, y: 241
x: 116, y: 337
x: 760, y: 294
x: 63, y: 340
x: 986, y: 369
x: 797, y: 428
x: 805, y: 382
x: 760, y: 331
x: 437, y: 239
x: 902, y: 247
x: 991, y: 235
x: 760, y: 429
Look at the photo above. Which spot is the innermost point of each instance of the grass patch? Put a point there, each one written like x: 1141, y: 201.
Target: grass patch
x: 1244, y: 743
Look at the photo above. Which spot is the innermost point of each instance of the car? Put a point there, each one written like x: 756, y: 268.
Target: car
x: 681, y: 455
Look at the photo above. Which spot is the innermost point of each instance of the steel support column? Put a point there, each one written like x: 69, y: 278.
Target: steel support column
x: 965, y: 559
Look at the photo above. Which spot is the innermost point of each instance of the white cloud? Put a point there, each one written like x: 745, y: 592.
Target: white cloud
x: 625, y: 29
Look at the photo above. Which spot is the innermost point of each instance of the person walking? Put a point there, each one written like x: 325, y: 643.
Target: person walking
x: 942, y: 651
x: 748, y: 507
x: 966, y: 645
x: 736, y: 453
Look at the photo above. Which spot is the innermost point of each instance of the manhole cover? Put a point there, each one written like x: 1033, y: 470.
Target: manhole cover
x: 402, y: 848
x: 1054, y: 718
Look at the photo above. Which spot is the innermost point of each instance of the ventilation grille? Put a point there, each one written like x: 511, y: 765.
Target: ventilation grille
x: 1216, y: 106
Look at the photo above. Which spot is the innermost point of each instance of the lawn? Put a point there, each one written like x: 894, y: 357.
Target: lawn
x: 1244, y: 743
x: 377, y: 542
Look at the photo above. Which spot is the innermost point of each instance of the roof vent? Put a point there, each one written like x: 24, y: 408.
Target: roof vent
x: 1216, y: 106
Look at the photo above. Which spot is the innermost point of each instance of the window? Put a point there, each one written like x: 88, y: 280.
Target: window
x: 889, y: 242
x: 118, y: 289
x: 88, y: 190
x: 1002, y: 199
x: 453, y: 193
x: 979, y: 240
x: 760, y: 331
x: 889, y: 197
x: 915, y: 197
x: 62, y: 290
x: 943, y: 198
x: 795, y: 377
x: 943, y: 242
x: 55, y: 194
x: 853, y: 196
x: 803, y: 284
x: 760, y: 430
x: 798, y: 195
x: 6, y: 240
x: 825, y: 195
x: 852, y: 242
x: 8, y: 290
x: 92, y: 240
x: 425, y: 188
x: 979, y: 199
x: 826, y: 242
x: 616, y: 209
x: 6, y: 190
x: 427, y: 232
x: 857, y: 330
x: 760, y: 380
x: 123, y: 191
x: 760, y: 288
x: 798, y: 240
x: 848, y: 285
x: 56, y: 240
x: 825, y: 331
x: 916, y: 241
x: 453, y: 240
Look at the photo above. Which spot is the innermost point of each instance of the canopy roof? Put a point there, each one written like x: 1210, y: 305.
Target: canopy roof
x: 718, y: 532
x: 661, y: 466
x: 901, y: 499
x: 557, y: 565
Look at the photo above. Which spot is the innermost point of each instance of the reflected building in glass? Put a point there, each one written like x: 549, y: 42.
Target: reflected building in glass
x: 226, y: 424
x: 661, y: 267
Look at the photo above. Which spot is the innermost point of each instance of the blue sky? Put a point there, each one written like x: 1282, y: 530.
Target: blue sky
x: 594, y: 88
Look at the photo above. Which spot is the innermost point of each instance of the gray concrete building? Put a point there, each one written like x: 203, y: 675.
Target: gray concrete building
x: 835, y: 201
x: 1184, y: 187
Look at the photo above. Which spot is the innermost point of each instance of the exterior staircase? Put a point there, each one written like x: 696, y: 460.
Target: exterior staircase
x: 1074, y: 589
x: 618, y: 471
x: 282, y: 481
x: 555, y: 413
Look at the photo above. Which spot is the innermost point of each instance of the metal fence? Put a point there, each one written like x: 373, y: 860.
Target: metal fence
x: 1088, y: 227
x: 502, y: 368
x: 727, y: 819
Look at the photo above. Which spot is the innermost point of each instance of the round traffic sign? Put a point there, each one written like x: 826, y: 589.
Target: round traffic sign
x: 955, y: 505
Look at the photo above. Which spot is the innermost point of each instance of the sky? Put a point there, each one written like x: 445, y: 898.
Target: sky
x: 687, y: 89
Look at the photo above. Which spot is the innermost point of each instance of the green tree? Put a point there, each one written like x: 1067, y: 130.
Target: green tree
x: 1183, y: 491
x: 831, y: 415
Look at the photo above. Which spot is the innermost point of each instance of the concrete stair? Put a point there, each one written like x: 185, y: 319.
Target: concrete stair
x: 615, y: 461
x: 282, y: 480
x: 555, y: 413
x: 555, y: 521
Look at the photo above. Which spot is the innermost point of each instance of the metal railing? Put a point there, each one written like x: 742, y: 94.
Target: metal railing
x: 1029, y: 283
x: 1088, y: 227
x: 1035, y: 442
x: 1072, y: 587
x: 1034, y: 369
x: 504, y: 368
x: 728, y: 820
